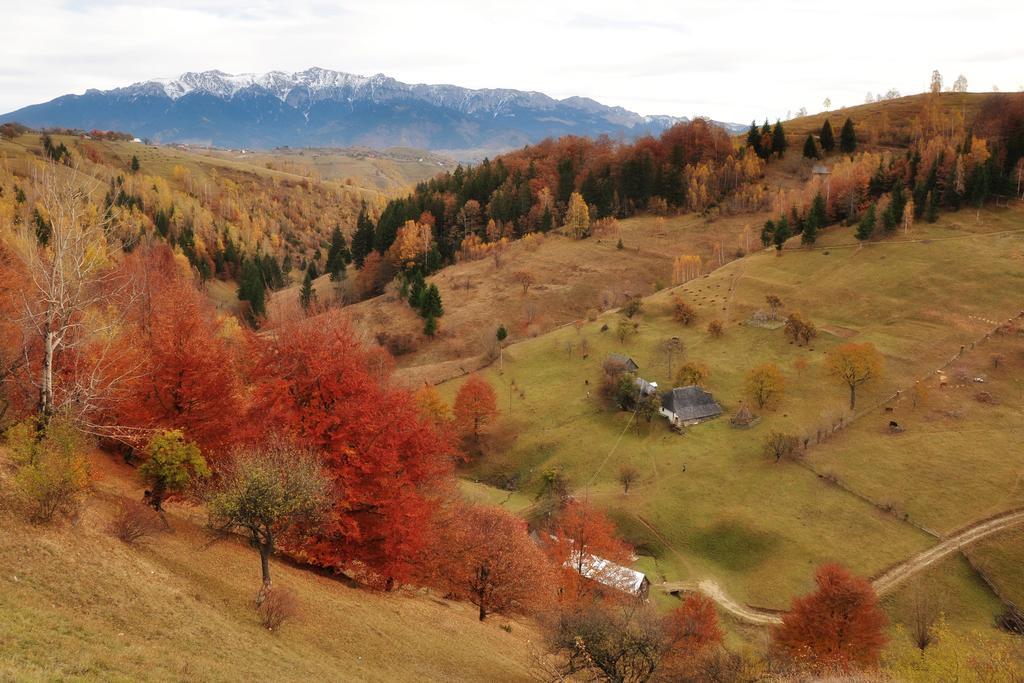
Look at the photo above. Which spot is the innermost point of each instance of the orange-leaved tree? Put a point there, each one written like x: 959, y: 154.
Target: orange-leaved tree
x: 583, y: 543
x: 854, y: 365
x: 188, y: 378
x: 486, y: 556
x: 476, y: 406
x: 693, y: 632
x: 389, y: 464
x: 840, y: 625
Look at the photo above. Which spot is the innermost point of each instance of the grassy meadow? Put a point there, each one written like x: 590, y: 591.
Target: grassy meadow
x: 709, y: 504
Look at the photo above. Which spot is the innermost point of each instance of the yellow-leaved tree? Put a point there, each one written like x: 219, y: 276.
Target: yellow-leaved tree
x: 577, y: 216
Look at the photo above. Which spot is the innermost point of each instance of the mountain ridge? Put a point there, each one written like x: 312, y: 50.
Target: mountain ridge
x: 317, y: 107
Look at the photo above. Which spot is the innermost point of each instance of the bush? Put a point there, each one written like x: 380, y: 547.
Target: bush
x: 633, y: 306
x: 50, y: 473
x: 133, y: 523
x: 683, y: 312
x: 278, y: 606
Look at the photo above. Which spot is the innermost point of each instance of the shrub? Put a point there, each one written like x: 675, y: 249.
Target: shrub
x: 633, y: 306
x: 133, y: 523
x: 51, y: 473
x: 715, y: 328
x: 683, y: 312
x: 278, y: 606
x: 691, y: 372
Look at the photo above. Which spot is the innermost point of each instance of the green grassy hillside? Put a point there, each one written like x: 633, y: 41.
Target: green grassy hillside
x: 709, y: 504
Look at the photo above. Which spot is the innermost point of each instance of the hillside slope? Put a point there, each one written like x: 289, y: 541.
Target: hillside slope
x: 710, y: 503
x: 79, y: 604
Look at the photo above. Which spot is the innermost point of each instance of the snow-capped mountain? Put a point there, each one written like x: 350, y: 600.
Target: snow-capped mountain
x: 320, y: 107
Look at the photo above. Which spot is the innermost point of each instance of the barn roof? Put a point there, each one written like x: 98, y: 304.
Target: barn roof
x: 690, y: 403
x: 624, y: 360
x: 646, y: 388
x: 610, y: 574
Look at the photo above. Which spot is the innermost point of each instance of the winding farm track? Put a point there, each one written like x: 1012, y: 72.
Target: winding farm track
x: 884, y: 583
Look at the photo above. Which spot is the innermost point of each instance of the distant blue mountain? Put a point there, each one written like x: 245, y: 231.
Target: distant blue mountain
x: 320, y: 108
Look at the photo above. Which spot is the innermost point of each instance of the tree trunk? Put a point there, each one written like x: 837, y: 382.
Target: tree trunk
x: 853, y: 396
x: 265, y: 549
x: 46, y: 380
x: 483, y: 610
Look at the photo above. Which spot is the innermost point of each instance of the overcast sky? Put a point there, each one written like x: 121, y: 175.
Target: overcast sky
x: 732, y: 60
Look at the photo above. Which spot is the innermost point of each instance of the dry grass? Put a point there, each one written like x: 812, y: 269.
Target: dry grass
x: 573, y: 277
x: 79, y: 604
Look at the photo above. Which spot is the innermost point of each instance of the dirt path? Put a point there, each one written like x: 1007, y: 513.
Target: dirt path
x: 896, y: 575
x: 710, y: 588
x: 889, y: 580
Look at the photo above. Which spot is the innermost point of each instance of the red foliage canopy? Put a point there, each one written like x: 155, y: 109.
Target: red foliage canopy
x: 486, y: 556
x: 187, y: 377
x: 580, y: 535
x: 840, y: 625
x: 314, y: 382
x: 475, y: 406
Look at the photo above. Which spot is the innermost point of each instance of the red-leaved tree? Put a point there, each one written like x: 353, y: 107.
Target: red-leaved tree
x: 476, y: 406
x: 583, y: 543
x: 187, y: 378
x: 693, y: 632
x: 390, y: 465
x: 486, y: 556
x: 839, y: 626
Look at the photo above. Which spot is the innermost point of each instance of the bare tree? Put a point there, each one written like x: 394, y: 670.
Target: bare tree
x: 924, y: 613
x: 627, y: 475
x: 69, y: 270
x: 778, y: 445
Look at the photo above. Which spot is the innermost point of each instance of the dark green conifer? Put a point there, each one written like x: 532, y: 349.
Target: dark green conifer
x: 828, y: 140
x: 847, y: 138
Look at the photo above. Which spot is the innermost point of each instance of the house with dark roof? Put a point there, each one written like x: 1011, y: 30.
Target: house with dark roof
x: 689, y: 405
x: 625, y: 361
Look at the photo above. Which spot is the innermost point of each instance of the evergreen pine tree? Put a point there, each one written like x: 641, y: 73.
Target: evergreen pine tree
x: 810, y: 149
x: 767, y: 233
x: 754, y: 138
x: 252, y: 289
x: 828, y: 140
x: 431, y: 306
x: 417, y: 290
x: 337, y: 256
x: 430, y: 326
x: 779, y: 139
x: 931, y: 211
x: 306, y: 294
x: 501, y: 334
x: 815, y: 220
x: 847, y: 138
x: 312, y: 269
x: 135, y: 164
x: 889, y: 219
x: 866, y: 226
x: 781, y: 234
x: 547, y: 221
x: 362, y: 238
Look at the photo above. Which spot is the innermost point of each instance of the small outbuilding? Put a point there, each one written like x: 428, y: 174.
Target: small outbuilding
x: 744, y: 418
x: 625, y: 361
x: 689, y: 405
x: 646, y: 388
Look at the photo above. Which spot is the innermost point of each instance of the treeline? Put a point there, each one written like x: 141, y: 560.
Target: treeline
x: 880, y: 192
x: 218, y: 218
x: 691, y: 166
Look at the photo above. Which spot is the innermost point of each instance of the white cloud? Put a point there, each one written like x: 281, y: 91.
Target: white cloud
x: 733, y: 60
